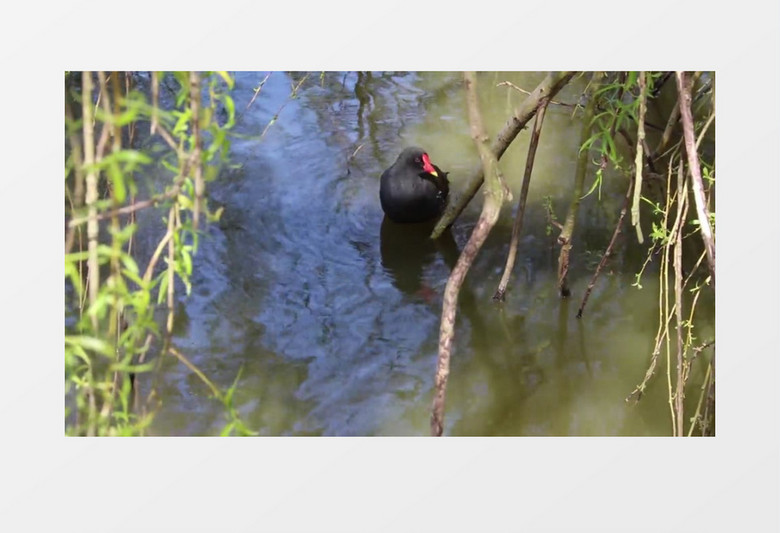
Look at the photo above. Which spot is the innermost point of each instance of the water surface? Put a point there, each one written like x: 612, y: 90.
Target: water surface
x: 333, y: 315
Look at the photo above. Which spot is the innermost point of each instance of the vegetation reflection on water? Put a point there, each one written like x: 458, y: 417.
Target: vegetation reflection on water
x: 334, y: 317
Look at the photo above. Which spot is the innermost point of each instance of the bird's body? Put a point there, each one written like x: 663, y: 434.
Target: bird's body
x: 413, y: 189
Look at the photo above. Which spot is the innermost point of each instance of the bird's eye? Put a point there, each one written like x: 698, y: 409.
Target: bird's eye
x: 417, y: 160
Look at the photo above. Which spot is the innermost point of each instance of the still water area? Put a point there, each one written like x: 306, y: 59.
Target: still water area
x: 332, y: 314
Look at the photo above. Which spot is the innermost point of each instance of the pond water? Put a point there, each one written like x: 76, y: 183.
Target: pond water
x: 333, y: 317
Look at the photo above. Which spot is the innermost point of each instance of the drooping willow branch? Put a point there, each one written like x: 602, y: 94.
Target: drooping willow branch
x: 91, y: 197
x: 666, y: 314
x: 200, y: 185
x: 684, y: 89
x: 677, y: 239
x: 77, y: 198
x: 639, y: 161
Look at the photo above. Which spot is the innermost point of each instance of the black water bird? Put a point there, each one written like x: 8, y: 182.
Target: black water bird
x: 413, y: 189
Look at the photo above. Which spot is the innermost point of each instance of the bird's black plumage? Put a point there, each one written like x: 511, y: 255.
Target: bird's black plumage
x: 413, y: 189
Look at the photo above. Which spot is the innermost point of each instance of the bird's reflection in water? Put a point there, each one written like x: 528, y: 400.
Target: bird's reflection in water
x: 407, y: 250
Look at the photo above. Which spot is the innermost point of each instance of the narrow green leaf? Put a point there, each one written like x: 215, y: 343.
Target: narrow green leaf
x: 596, y: 183
x: 186, y: 260
x: 182, y: 122
x: 136, y: 369
x: 130, y: 264
x: 588, y: 143
x: 227, y: 77
x: 134, y: 277
x: 72, y: 273
x: 162, y: 293
x: 90, y: 343
x: 169, y: 166
x: 611, y: 149
x: 230, y: 107
x: 77, y: 351
x: 118, y: 181
x: 76, y: 257
x: 206, y: 115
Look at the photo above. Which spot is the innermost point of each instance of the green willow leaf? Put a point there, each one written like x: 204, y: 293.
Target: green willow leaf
x: 230, y: 107
x: 227, y: 77
x: 162, y: 292
x: 85, y: 342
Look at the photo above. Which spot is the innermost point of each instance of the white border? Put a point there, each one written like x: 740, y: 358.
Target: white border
x: 730, y: 482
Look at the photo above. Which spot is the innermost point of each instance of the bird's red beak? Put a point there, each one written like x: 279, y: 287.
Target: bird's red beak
x: 427, y: 166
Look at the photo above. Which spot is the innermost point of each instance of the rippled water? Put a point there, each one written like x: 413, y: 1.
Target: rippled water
x: 333, y: 316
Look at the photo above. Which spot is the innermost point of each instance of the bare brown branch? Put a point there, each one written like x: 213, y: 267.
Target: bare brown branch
x: 155, y: 102
x: 677, y: 238
x: 583, y: 159
x: 517, y: 226
x: 132, y: 208
x: 608, y: 251
x: 549, y: 87
x: 495, y: 194
x: 639, y: 160
x: 257, y: 91
x: 684, y: 90
x: 197, y: 166
x: 674, y: 118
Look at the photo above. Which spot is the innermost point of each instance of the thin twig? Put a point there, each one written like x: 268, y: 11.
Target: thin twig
x: 293, y: 95
x: 155, y: 102
x: 171, y: 270
x: 704, y: 130
x: 356, y: 150
x: 517, y: 226
x: 608, y: 251
x: 566, y: 237
x: 257, y: 91
x: 528, y: 93
x: 157, y: 253
x: 180, y: 356
x: 141, y: 204
x: 704, y: 388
